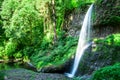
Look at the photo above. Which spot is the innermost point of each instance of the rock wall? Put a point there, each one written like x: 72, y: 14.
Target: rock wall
x: 74, y: 20
x: 103, y: 31
x: 106, y: 19
x: 107, y: 12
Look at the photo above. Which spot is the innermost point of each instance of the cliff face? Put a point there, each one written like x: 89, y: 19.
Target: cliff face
x: 106, y: 22
x: 107, y: 12
x: 106, y: 19
x: 74, y: 21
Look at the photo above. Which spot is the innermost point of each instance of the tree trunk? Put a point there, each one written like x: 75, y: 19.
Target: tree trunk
x: 54, y: 20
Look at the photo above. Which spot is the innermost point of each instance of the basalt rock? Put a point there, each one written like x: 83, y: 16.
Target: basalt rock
x: 100, y: 56
x: 58, y: 69
x: 106, y: 18
x: 107, y: 12
x: 74, y: 21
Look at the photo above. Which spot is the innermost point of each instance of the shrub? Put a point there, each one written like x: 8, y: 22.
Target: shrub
x: 55, y: 54
x: 18, y: 55
x: 10, y: 48
x: 109, y: 47
x: 113, y: 39
x: 107, y: 73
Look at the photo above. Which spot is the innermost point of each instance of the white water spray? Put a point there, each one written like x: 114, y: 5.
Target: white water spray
x: 82, y: 43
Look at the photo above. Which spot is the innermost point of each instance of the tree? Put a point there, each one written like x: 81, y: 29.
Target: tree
x: 23, y: 25
x: 54, y: 19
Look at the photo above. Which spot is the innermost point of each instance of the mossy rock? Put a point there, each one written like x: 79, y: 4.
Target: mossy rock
x: 107, y: 12
x: 107, y: 73
x: 109, y: 47
x: 106, y: 52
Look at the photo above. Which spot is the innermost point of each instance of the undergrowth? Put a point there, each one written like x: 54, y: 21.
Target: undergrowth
x: 49, y: 54
x: 107, y: 73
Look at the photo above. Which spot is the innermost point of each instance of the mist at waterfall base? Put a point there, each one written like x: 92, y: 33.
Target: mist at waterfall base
x: 83, y: 42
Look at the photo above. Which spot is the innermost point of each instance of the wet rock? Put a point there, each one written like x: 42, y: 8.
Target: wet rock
x: 85, y: 77
x: 23, y: 74
x: 74, y: 21
x: 58, y: 69
x: 107, y: 18
x: 53, y: 69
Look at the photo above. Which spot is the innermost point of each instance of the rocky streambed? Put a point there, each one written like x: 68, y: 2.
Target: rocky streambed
x: 23, y: 74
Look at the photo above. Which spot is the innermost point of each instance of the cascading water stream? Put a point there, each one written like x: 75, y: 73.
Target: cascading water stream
x: 83, y: 44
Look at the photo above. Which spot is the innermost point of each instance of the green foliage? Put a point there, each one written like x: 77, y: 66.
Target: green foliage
x: 72, y: 4
x: 24, y: 22
x: 18, y: 55
x: 55, y: 55
x: 77, y: 3
x: 2, y: 52
x: 113, y: 40
x: 62, y: 7
x: 1, y: 2
x: 10, y: 48
x: 110, y: 47
x: 23, y: 27
x: 110, y: 14
x: 28, y: 51
x: 8, y: 8
x: 111, y: 20
x: 29, y: 33
x: 107, y: 73
x: 98, y: 2
x: 114, y: 20
x: 1, y: 29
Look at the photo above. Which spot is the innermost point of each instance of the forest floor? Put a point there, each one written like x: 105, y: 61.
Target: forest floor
x: 23, y: 74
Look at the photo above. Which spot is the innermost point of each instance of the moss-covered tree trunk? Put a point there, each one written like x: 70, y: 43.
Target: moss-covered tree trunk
x: 54, y: 20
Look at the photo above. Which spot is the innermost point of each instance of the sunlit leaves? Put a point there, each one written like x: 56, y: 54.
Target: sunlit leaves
x: 23, y: 25
x: 10, y: 48
x: 29, y: 24
x: 24, y: 21
x: 8, y: 8
x: 113, y: 39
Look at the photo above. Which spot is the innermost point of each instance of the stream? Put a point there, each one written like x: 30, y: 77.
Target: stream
x: 14, y: 65
x: 24, y: 71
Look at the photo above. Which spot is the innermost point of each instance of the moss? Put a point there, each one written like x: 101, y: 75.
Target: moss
x: 107, y: 73
x: 98, y: 2
x: 113, y: 39
x: 114, y: 20
x: 111, y: 20
x: 109, y: 47
x: 106, y: 14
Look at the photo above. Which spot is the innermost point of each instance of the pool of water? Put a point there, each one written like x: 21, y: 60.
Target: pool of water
x: 8, y: 66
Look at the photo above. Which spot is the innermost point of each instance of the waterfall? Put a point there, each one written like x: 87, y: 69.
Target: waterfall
x: 83, y: 44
